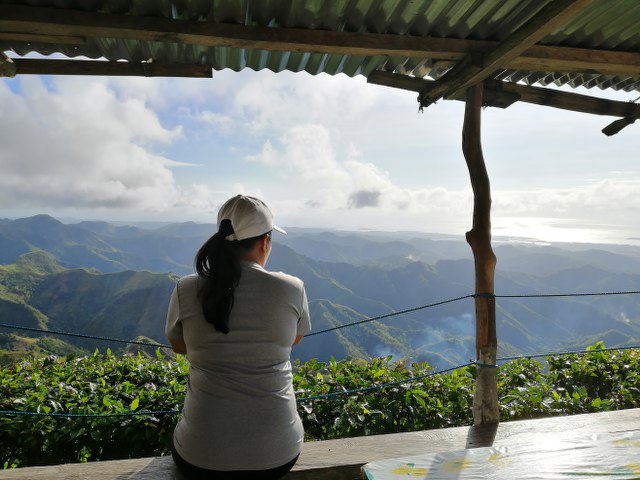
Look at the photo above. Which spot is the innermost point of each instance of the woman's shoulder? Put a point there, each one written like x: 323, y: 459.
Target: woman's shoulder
x: 188, y: 281
x: 285, y: 277
x: 281, y: 278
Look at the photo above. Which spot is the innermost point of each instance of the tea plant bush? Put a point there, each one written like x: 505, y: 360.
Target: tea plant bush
x: 109, y: 385
x: 600, y: 380
x: 434, y: 401
x: 97, y: 384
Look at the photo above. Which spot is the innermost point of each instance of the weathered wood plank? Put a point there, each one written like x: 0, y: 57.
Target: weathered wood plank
x: 474, y: 68
x: 617, y: 125
x: 567, y: 59
x: 26, y: 66
x: 494, y: 90
x: 20, y: 20
x: 566, y: 100
x: 50, y: 21
x: 34, y: 38
x: 342, y: 459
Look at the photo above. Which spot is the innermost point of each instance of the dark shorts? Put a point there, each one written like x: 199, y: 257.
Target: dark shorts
x: 196, y: 473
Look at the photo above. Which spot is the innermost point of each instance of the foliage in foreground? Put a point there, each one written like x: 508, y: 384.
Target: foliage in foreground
x: 105, y: 384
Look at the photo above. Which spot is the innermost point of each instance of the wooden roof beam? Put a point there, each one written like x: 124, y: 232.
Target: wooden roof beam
x: 51, y: 21
x: 502, y: 94
x: 35, y: 38
x: 50, y: 25
x: 475, y: 68
x: 491, y: 97
x: 104, y: 68
x: 574, y: 102
x: 617, y: 125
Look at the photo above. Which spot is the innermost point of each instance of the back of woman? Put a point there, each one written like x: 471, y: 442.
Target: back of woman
x: 240, y: 411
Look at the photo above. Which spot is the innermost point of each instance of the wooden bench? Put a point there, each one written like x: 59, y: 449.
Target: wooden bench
x: 342, y: 459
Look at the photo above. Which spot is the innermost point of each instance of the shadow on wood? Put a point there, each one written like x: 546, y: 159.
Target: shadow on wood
x: 481, y: 436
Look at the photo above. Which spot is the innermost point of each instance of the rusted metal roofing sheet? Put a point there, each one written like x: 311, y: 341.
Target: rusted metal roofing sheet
x: 605, y: 24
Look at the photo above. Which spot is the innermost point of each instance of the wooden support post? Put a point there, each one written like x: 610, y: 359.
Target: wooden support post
x: 485, y: 402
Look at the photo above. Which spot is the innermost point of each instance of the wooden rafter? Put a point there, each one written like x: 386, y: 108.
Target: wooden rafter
x: 617, y: 125
x: 47, y: 25
x: 92, y: 67
x: 566, y: 100
x: 502, y: 94
x: 474, y: 68
x: 36, y: 38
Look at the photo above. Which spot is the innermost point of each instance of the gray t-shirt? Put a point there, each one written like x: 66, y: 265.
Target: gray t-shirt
x: 240, y: 409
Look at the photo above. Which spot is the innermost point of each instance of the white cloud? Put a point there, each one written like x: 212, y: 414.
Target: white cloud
x: 606, y: 198
x: 309, y: 161
x: 273, y: 103
x: 324, y: 151
x: 77, y: 144
x: 222, y: 122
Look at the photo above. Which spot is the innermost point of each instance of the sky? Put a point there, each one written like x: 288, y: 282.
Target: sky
x: 322, y: 151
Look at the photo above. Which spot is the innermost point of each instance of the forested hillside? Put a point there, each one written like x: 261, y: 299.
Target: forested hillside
x: 100, y: 279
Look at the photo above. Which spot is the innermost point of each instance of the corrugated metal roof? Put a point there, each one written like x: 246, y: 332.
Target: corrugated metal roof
x: 605, y: 24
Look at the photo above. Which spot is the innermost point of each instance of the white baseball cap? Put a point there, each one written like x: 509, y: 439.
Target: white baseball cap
x: 249, y: 217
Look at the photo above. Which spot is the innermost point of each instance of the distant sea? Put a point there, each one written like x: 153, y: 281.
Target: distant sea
x: 555, y: 230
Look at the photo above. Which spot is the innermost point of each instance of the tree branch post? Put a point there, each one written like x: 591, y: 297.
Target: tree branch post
x: 485, y: 402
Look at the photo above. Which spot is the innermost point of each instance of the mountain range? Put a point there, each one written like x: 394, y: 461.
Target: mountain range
x: 109, y: 280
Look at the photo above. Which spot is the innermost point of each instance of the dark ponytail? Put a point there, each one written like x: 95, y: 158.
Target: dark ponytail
x: 218, y: 264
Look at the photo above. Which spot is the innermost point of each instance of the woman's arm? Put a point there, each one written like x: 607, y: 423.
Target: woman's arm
x: 173, y: 328
x: 178, y: 345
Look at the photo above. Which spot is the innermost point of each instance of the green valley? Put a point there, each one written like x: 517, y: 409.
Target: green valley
x: 103, y: 280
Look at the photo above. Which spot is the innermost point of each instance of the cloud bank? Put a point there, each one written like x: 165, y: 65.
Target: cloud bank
x: 323, y: 151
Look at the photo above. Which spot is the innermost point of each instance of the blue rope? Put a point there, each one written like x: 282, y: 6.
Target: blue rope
x: 381, y: 386
x: 80, y: 335
x: 568, y: 352
x: 548, y: 295
x: 392, y: 314
x: 331, y: 394
x: 174, y: 412
x: 142, y: 413
x: 476, y: 363
x: 366, y: 320
x: 476, y: 295
x: 484, y: 365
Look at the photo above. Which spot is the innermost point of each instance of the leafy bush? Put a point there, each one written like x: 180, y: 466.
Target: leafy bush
x: 600, y: 380
x: 413, y: 399
x: 430, y: 402
x: 88, y: 385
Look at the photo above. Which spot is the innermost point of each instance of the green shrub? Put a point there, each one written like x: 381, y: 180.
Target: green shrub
x: 434, y: 401
x: 600, y: 381
x: 523, y: 390
x: 88, y: 385
x: 414, y: 398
